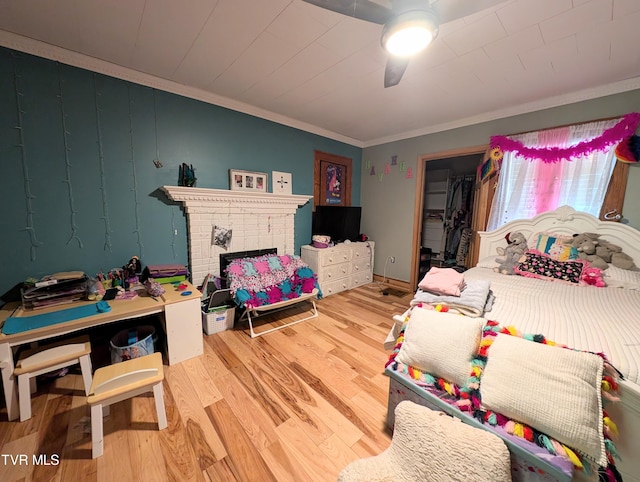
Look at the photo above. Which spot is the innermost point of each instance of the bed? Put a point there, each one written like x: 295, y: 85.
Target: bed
x: 268, y: 283
x: 601, y: 320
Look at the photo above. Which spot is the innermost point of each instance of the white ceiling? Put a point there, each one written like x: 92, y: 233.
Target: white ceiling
x: 298, y: 64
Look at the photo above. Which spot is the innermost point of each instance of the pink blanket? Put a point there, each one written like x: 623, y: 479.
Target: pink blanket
x: 442, y: 281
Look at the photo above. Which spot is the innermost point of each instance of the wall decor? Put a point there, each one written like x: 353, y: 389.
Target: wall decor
x: 248, y: 181
x: 187, y: 175
x: 332, y: 180
x: 281, y: 182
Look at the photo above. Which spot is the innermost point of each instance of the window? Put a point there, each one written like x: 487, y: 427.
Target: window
x: 529, y: 186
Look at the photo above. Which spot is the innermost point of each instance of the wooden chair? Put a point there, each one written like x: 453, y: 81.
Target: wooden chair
x: 46, y: 359
x: 121, y: 381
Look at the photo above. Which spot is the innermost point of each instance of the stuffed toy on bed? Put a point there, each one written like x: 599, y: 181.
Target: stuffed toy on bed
x: 517, y: 245
x: 593, y: 277
x: 600, y: 253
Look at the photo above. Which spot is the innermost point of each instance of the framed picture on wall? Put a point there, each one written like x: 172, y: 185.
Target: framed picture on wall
x: 248, y: 181
x: 332, y: 180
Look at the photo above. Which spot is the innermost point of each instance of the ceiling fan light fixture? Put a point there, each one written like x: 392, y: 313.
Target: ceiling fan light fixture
x: 409, y: 33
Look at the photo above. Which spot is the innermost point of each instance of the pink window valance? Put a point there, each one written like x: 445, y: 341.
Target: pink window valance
x: 622, y: 131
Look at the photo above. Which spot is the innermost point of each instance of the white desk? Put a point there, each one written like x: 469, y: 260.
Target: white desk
x: 182, y: 324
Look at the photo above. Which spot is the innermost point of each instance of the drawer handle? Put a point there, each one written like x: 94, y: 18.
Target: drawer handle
x: 330, y: 260
x: 357, y: 268
x: 328, y: 275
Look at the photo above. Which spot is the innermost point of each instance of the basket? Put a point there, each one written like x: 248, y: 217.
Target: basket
x: 218, y: 319
x: 320, y: 241
x: 133, y: 343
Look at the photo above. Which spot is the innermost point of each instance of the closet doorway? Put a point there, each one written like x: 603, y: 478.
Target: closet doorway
x: 444, y: 210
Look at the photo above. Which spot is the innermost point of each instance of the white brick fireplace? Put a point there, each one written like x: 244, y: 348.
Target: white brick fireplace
x: 257, y: 221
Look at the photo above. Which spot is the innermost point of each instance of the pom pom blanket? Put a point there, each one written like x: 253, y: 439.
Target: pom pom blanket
x: 268, y: 279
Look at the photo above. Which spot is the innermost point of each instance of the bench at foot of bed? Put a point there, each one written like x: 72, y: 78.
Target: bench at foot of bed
x: 251, y: 314
x: 528, y: 461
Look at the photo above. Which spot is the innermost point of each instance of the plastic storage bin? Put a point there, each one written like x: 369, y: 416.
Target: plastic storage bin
x: 132, y: 343
x: 217, y: 319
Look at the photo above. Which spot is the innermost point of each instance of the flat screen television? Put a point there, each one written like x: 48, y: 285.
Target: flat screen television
x: 340, y: 222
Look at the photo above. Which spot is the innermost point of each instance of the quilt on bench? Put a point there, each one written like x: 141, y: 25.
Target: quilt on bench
x: 268, y: 279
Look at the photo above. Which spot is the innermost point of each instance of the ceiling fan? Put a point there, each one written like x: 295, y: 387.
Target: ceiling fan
x: 409, y: 25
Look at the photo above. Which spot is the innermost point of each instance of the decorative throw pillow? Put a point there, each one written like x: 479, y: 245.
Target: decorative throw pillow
x: 441, y: 344
x: 554, y: 389
x: 554, y: 245
x: 621, y: 278
x: 538, y: 265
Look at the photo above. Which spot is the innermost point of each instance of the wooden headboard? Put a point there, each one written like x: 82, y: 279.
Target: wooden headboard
x: 564, y: 220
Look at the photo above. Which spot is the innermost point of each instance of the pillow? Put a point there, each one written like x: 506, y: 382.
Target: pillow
x: 621, y: 278
x: 538, y: 265
x: 441, y: 344
x: 488, y: 262
x: 554, y: 245
x: 554, y: 389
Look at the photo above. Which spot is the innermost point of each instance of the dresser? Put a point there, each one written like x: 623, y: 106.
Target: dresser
x: 341, y: 267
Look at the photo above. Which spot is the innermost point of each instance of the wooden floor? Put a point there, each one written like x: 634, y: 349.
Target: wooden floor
x: 295, y: 405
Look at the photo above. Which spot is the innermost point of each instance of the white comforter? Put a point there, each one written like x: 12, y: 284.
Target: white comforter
x: 584, y: 317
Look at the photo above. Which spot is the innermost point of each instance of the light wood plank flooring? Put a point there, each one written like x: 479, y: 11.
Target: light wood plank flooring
x: 295, y: 405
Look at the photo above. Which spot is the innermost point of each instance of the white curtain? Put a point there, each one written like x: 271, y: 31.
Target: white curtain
x: 528, y: 187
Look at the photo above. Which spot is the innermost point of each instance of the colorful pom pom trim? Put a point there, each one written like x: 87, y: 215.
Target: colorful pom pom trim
x: 471, y: 400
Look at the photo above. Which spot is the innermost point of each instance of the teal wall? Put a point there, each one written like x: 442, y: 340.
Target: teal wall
x: 89, y: 198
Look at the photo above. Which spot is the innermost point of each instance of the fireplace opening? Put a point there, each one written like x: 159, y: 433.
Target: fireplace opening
x: 227, y: 258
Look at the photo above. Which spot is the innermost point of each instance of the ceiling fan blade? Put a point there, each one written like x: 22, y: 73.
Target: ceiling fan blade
x: 394, y: 70
x: 361, y: 9
x: 448, y: 10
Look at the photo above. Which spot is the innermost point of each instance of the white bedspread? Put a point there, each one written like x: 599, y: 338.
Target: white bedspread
x: 584, y: 317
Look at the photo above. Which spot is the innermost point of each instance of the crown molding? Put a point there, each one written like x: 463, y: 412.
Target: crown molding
x: 75, y: 59
x: 541, y: 104
x: 69, y: 57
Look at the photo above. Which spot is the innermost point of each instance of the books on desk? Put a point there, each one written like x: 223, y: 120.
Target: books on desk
x: 167, y: 273
x: 54, y: 290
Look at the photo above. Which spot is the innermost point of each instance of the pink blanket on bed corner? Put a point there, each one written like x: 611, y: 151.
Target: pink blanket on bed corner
x: 442, y: 281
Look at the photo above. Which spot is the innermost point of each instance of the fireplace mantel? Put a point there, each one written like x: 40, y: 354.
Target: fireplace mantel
x: 257, y: 221
x: 198, y: 196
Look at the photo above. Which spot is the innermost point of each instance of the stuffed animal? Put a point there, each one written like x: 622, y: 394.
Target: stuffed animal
x: 592, y: 276
x: 613, y: 254
x: 516, y: 246
x: 600, y: 253
x: 586, y: 244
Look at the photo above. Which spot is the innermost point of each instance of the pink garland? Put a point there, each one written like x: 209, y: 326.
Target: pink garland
x: 622, y: 130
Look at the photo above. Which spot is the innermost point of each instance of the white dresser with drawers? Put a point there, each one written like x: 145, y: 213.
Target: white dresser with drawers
x: 341, y: 267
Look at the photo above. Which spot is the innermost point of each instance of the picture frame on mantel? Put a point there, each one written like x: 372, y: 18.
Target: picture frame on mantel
x: 248, y: 181
x: 281, y: 183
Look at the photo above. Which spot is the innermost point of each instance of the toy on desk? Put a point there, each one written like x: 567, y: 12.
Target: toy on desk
x: 154, y: 289
x: 95, y: 290
x: 132, y: 270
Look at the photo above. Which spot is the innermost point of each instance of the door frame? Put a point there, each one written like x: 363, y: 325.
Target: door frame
x: 419, y: 199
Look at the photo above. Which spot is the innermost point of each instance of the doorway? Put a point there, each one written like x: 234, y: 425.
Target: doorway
x: 444, y: 210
